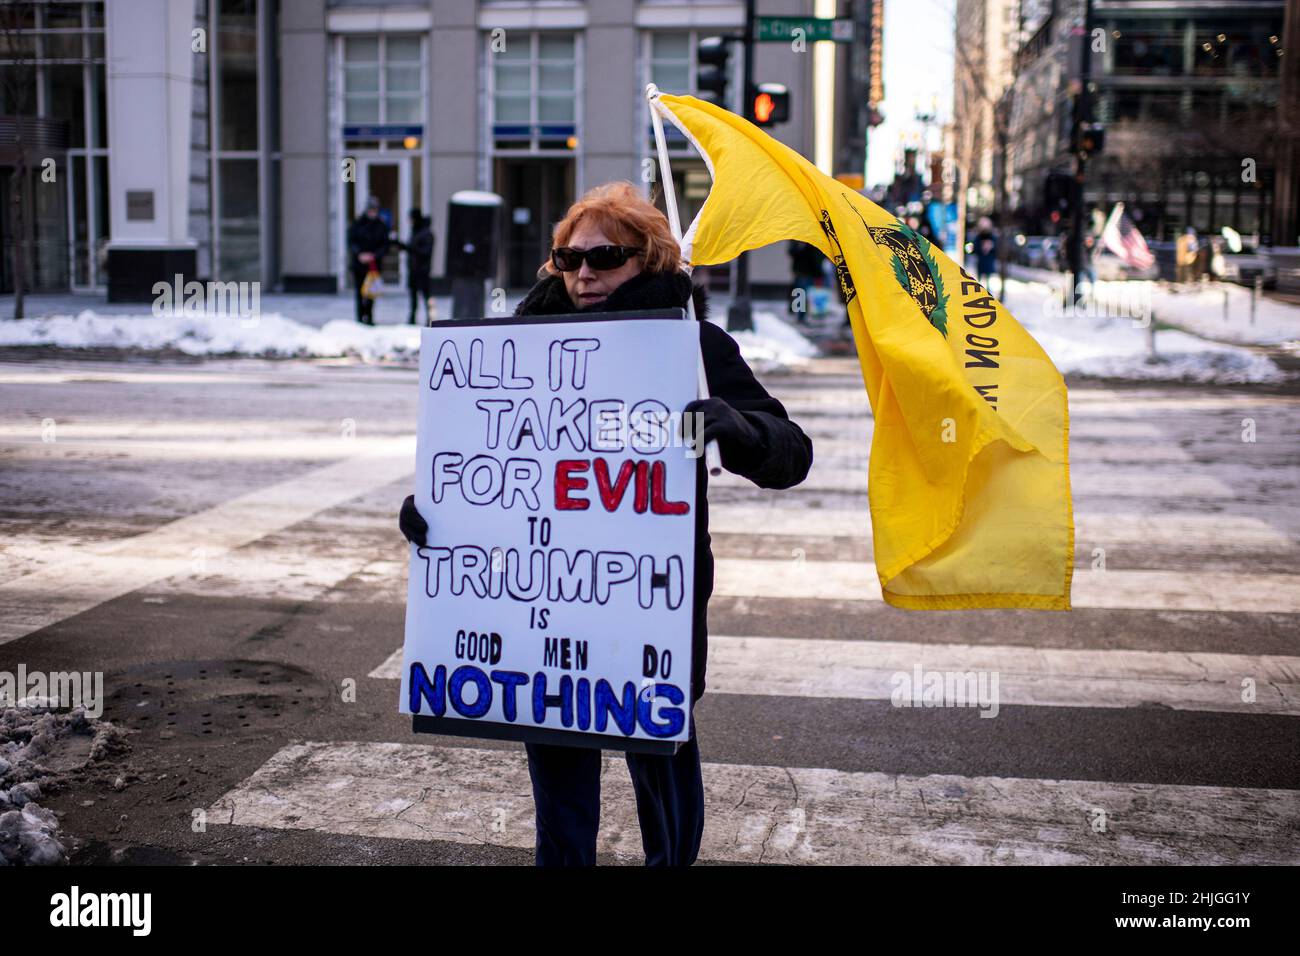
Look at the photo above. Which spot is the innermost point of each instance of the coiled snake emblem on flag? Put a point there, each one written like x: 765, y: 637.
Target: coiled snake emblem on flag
x: 914, y: 267
x: 915, y: 270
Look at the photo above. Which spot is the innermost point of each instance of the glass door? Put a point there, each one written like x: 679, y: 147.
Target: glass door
x: 388, y: 179
x: 537, y: 193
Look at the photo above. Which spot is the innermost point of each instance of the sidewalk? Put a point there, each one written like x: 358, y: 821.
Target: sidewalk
x: 1218, y: 311
x: 1222, y: 311
x: 1133, y: 331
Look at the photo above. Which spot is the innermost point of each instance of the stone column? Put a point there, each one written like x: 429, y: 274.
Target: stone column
x: 149, y: 79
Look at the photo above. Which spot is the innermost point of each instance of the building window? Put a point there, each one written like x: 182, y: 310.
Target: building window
x: 382, y: 80
x: 1235, y: 48
x: 237, y: 95
x: 1149, y: 47
x: 534, y: 91
x: 237, y: 74
x: 52, y: 58
x: 670, y: 65
x: 401, y: 88
x: 556, y: 89
x: 361, y: 79
x: 238, y: 222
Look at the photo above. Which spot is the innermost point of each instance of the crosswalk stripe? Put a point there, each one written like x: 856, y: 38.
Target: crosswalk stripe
x: 1046, y: 677
x: 875, y: 670
x: 103, y: 572
x: 1110, y: 402
x: 303, y: 448
x: 1105, y: 482
x: 855, y: 452
x: 276, y: 572
x: 1133, y: 590
x: 759, y: 814
x: 1084, y: 402
x: 1185, y: 530
x: 828, y: 424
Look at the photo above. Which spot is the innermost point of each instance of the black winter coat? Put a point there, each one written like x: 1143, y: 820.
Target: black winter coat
x: 419, y: 256
x: 784, y: 456
x: 367, y: 235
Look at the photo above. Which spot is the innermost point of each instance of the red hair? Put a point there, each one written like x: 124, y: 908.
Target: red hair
x: 621, y: 212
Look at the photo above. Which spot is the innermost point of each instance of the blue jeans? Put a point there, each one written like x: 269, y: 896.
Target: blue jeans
x: 566, y: 792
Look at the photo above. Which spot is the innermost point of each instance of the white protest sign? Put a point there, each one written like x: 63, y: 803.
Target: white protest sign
x: 556, y: 586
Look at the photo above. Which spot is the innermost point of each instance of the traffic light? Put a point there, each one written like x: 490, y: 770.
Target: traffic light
x: 1089, y: 138
x: 1058, y: 196
x: 712, y: 70
x: 770, y: 104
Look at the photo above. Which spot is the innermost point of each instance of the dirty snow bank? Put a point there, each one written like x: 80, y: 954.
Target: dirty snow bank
x: 268, y: 335
x: 772, y: 344
x: 1201, y: 310
x: 39, y: 747
x: 1091, y: 343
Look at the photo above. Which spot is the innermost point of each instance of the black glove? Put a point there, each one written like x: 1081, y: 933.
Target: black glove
x: 414, y: 527
x: 740, y: 444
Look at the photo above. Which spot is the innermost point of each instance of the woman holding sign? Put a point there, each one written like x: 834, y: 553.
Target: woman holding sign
x: 614, y: 251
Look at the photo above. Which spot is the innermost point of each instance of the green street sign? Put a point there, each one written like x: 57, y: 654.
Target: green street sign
x: 782, y: 29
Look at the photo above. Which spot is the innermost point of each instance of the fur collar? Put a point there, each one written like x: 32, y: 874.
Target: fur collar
x: 646, y: 290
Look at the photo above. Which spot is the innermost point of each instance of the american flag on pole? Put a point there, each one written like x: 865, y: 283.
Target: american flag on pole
x: 1122, y: 237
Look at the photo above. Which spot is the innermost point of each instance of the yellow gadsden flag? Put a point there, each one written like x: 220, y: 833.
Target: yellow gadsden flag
x: 969, y: 476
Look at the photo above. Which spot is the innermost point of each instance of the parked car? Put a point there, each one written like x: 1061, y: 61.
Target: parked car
x: 1038, y: 252
x: 1242, y: 267
x: 1111, y: 267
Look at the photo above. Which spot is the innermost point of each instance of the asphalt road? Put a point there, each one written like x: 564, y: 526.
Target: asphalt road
x: 219, y: 539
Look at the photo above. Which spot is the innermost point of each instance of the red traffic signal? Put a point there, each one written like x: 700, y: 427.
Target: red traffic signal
x: 770, y: 104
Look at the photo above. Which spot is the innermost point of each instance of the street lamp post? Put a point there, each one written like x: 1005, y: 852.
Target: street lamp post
x: 740, y: 316
x: 1082, y: 117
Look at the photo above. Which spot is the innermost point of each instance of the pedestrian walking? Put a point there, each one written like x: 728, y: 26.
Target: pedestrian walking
x: 1218, y: 264
x: 367, y: 243
x: 419, y: 260
x: 1187, y: 249
x: 614, y: 251
x: 807, y: 264
x: 1090, y: 253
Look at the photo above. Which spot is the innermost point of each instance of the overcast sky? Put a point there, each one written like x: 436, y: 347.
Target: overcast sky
x: 918, y: 66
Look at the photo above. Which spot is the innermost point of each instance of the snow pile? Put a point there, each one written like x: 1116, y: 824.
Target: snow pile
x: 268, y: 335
x: 1092, y: 344
x: 1095, y: 342
x: 1201, y: 311
x: 28, y: 835
x: 773, y: 344
x: 37, y: 746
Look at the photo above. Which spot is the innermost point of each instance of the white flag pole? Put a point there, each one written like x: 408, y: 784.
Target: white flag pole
x: 712, y: 457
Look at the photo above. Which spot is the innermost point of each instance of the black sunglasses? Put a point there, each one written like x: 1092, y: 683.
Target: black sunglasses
x: 599, y: 258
